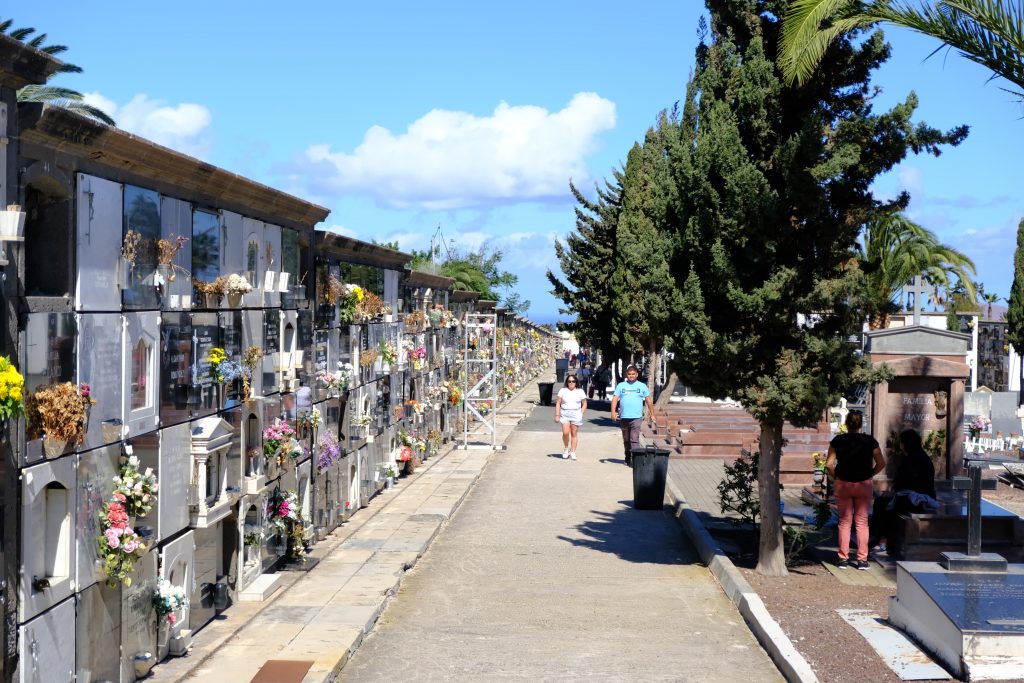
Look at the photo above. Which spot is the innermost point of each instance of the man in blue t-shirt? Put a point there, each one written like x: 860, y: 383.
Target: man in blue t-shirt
x: 628, y: 407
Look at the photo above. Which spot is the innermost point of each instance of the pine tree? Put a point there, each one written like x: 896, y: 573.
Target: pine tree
x: 1015, y: 305
x: 586, y: 261
x: 774, y: 186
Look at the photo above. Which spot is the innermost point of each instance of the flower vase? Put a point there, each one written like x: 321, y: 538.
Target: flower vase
x: 166, y: 272
x: 125, y: 268
x: 12, y: 224
x: 210, y: 300
x: 370, y: 437
x: 234, y: 299
x: 388, y: 317
x: 53, y: 447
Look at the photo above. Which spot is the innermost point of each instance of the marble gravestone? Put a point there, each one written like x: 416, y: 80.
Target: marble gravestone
x: 967, y: 609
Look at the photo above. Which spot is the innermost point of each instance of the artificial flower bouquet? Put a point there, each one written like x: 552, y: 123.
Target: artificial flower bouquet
x: 335, y: 382
x: 167, y: 598
x: 12, y: 390
x: 350, y: 297
x: 279, y: 442
x: 388, y: 353
x: 978, y: 425
x: 329, y: 451
x: 137, y: 491
x: 236, y: 285
x: 119, y: 544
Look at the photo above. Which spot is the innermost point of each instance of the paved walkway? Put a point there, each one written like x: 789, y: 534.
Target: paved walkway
x: 546, y: 573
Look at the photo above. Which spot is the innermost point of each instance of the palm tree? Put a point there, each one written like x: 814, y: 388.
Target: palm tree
x: 989, y: 32
x: 72, y: 100
x: 989, y: 299
x: 895, y: 249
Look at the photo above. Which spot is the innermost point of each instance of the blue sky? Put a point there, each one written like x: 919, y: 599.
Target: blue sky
x: 402, y: 117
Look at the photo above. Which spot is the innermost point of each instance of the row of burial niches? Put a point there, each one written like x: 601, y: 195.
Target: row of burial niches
x: 129, y: 549
x: 147, y: 368
x: 136, y: 249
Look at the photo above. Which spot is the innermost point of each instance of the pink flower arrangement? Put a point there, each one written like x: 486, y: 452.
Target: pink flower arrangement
x: 119, y: 544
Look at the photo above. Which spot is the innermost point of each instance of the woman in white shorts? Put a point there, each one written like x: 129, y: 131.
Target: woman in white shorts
x: 569, y: 409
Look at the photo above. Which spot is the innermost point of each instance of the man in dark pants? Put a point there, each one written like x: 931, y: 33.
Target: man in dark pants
x: 628, y: 407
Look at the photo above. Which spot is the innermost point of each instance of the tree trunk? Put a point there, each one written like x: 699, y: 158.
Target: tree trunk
x: 771, y: 557
x: 652, y: 368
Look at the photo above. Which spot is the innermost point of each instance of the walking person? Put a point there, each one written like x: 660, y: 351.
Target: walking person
x: 586, y: 376
x: 569, y: 408
x: 628, y: 401
x: 603, y: 380
x: 854, y: 459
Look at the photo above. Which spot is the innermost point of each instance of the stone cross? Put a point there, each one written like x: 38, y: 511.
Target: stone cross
x: 919, y: 289
x: 972, y: 485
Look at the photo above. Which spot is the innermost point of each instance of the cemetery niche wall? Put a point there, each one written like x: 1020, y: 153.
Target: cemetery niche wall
x: 193, y: 312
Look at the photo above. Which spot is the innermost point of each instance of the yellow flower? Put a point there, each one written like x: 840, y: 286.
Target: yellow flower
x: 15, y: 393
x: 358, y: 291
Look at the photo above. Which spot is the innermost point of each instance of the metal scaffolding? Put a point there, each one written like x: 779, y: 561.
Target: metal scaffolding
x: 479, y: 375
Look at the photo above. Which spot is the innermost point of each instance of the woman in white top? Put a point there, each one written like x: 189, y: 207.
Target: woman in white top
x: 569, y: 409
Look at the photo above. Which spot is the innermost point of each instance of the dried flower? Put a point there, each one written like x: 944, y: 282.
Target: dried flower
x: 58, y: 411
x: 167, y: 249
x: 130, y: 245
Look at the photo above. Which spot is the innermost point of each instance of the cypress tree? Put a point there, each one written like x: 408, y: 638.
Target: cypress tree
x: 1015, y: 305
x: 587, y: 259
x: 645, y: 294
x: 773, y: 186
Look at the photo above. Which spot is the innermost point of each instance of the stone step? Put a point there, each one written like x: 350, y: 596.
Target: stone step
x: 261, y: 588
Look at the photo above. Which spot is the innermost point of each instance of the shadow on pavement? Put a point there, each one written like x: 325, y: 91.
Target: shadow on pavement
x: 643, y: 536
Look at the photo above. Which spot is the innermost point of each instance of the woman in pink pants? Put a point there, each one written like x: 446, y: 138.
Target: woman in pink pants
x: 853, y: 460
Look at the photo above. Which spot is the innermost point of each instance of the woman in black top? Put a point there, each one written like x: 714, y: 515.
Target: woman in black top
x: 853, y: 460
x: 913, y: 488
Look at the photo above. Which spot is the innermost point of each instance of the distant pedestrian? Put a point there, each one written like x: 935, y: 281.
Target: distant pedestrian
x: 569, y: 409
x: 572, y: 361
x: 628, y: 401
x: 585, y: 375
x: 582, y: 357
x: 854, y: 459
x: 602, y: 380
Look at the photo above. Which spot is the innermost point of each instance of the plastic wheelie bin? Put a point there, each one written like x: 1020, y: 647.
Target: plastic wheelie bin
x: 650, y: 469
x: 546, y: 390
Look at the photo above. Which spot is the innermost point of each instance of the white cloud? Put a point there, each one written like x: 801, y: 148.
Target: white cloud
x: 184, y: 127
x: 342, y: 230
x: 453, y: 159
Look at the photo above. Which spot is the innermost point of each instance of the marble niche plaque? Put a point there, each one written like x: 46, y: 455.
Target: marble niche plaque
x: 50, y: 347
x: 99, y: 366
x: 176, y: 366
x: 271, y: 343
x: 205, y: 390
x: 138, y: 618
x: 96, y: 472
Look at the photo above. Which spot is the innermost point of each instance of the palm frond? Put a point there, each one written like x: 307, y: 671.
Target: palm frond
x: 5, y: 25
x: 809, y: 28
x: 987, y: 32
x: 37, y: 42
x: 22, y: 33
x: 66, y: 98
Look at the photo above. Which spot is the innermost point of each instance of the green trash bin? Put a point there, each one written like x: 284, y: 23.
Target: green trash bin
x: 650, y: 469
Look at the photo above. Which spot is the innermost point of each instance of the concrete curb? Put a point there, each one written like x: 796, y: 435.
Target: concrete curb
x: 776, y: 643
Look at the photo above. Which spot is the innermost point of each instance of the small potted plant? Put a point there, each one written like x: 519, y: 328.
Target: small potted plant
x: 131, y: 245
x: 390, y: 474
x: 58, y: 414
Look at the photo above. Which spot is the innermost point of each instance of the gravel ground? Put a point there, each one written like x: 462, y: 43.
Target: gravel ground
x: 805, y: 603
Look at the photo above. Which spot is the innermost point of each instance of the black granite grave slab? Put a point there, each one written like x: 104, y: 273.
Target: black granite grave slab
x: 978, y: 602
